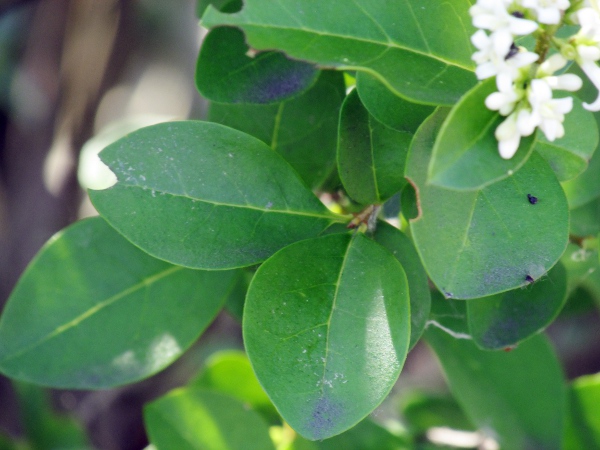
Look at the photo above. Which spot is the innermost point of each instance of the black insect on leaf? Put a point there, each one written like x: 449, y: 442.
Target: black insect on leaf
x: 533, y: 200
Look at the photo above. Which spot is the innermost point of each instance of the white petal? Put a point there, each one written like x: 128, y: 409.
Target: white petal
x: 480, y: 39
x: 552, y: 64
x: 508, y: 147
x: 507, y: 128
x: 588, y: 52
x: 565, y: 82
x: 485, y: 70
x: 549, y: 15
x: 562, y: 105
x: 522, y: 27
x: 495, y: 101
x: 502, y: 40
x: 593, y: 73
x: 526, y: 122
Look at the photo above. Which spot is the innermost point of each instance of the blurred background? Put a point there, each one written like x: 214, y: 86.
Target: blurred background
x: 75, y: 75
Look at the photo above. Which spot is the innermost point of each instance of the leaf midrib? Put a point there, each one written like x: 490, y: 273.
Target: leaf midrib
x: 389, y: 45
x: 146, y: 282
x: 329, y: 216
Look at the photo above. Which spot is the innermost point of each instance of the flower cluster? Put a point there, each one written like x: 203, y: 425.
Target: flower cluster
x: 526, y: 79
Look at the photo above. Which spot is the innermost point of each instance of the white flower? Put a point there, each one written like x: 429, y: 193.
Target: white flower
x: 493, y: 15
x: 547, y: 11
x: 564, y: 82
x: 508, y: 137
x: 546, y: 113
x: 507, y: 97
x: 587, y: 45
x: 498, y: 55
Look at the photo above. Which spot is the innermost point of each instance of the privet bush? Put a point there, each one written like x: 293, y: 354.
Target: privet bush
x: 371, y: 173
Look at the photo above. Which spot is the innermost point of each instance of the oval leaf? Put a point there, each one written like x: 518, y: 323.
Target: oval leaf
x: 194, y: 419
x: 326, y: 327
x: 296, y: 128
x: 224, y: 72
x: 402, y: 43
x: 388, y: 108
x: 205, y: 196
x: 517, y: 397
x: 370, y: 155
x: 569, y: 156
x: 399, y: 245
x: 465, y: 154
x: 478, y: 243
x: 503, y: 320
x: 86, y: 284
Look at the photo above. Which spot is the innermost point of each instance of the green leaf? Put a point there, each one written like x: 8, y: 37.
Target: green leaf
x: 422, y: 411
x: 586, y: 187
x: 585, y: 219
x: 194, y: 419
x: 465, y: 155
x: 583, y: 270
x: 478, y: 243
x: 227, y: 6
x: 583, y: 423
x: 224, y: 72
x: 370, y: 155
x: 401, y: 43
x: 205, y: 196
x: 367, y: 435
x: 569, y: 156
x: 387, y: 107
x: 326, y: 327
x: 234, y: 304
x: 403, y: 249
x: 517, y: 397
x: 504, y: 320
x: 60, y: 325
x: 302, y: 130
x: 230, y: 372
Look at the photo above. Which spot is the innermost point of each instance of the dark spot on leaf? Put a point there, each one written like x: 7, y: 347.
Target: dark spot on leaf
x: 533, y: 200
x: 324, y: 418
x: 510, y: 348
x: 448, y: 294
x: 518, y: 14
x: 529, y: 279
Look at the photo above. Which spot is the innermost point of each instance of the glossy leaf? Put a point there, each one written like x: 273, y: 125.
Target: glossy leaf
x: 504, y: 320
x: 225, y: 73
x: 465, y: 154
x: 326, y: 327
x: 370, y: 155
x: 399, y: 245
x: 59, y: 326
x: 387, y: 107
x: 230, y: 372
x: 302, y: 130
x: 517, y: 397
x: 205, y: 196
x: 569, y: 156
x: 195, y: 419
x: 478, y: 243
x: 583, y: 424
x: 401, y: 43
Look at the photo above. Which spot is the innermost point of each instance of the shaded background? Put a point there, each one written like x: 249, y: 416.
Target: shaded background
x: 68, y: 70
